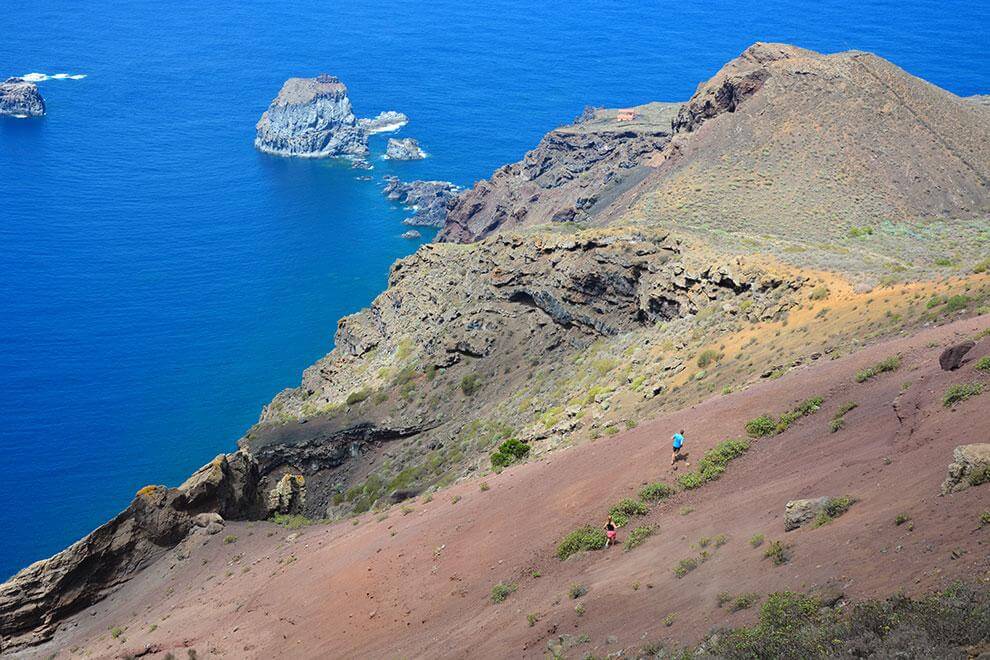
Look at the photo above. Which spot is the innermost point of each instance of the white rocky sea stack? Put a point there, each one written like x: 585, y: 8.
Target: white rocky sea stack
x: 405, y: 149
x: 311, y: 118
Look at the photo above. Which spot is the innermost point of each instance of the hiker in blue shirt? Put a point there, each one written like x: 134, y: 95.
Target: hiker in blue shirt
x: 678, y: 443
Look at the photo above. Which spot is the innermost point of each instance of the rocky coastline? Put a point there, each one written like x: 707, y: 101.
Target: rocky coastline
x: 430, y: 201
x: 512, y: 326
x: 21, y: 98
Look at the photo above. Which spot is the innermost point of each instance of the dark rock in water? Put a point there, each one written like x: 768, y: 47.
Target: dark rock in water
x: 312, y: 118
x: 405, y: 149
x: 21, y: 98
x: 385, y: 122
x: 412, y: 234
x: 952, y: 357
x: 430, y: 200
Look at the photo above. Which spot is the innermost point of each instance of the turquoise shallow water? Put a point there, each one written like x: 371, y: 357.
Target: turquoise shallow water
x: 160, y: 280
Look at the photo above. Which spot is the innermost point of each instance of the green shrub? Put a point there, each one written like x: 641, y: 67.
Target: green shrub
x: 116, y: 632
x: 956, y: 303
x: 892, y: 363
x: 793, y: 626
x: 961, y: 392
x: 532, y: 618
x: 502, y: 590
x: 860, y: 232
x: 292, y: 522
x: 623, y: 510
x: 983, y: 364
x: 576, y: 591
x: 230, y: 538
x: 655, y: 492
x: 509, y: 452
x: 685, y: 566
x: 985, y: 518
x: 637, y: 537
x: 762, y: 426
x: 778, y: 552
x: 713, y: 463
x: 836, y: 424
x: 756, y: 540
x: 901, y: 519
x: 583, y: 538
x: 744, y: 602
x: 708, y: 356
x: 982, y: 266
x: 723, y: 598
x: 358, y: 396
x: 838, y: 420
x: 470, y: 384
x: 834, y: 507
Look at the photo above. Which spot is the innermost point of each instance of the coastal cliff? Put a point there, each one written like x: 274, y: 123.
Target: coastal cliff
x: 20, y: 98
x: 597, y: 283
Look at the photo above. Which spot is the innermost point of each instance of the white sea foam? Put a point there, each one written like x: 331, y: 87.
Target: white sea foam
x: 42, y: 77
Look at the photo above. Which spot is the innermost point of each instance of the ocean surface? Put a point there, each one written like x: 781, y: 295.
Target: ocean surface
x: 160, y: 280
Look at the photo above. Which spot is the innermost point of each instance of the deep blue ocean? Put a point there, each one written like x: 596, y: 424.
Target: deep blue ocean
x: 160, y: 280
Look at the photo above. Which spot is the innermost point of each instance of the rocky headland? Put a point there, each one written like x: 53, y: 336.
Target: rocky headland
x: 429, y: 201
x: 20, y: 98
x: 404, y: 149
x: 735, y: 263
x: 313, y: 118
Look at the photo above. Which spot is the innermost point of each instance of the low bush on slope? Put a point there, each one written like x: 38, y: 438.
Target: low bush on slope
x: 713, y: 463
x: 766, y: 425
x: 794, y: 626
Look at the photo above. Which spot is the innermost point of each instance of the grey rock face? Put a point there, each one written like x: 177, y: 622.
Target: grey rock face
x: 405, y: 149
x: 311, y: 118
x: 429, y: 200
x: 20, y: 98
x: 385, y: 122
x: 798, y: 513
x: 970, y: 467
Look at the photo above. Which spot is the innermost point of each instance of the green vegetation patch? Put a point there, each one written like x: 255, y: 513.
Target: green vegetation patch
x: 983, y: 364
x: 470, y: 384
x: 792, y: 625
x: 961, y: 392
x: 713, y: 463
x: 581, y: 539
x: 892, y: 363
x: 638, y: 536
x: 656, y: 491
x: 839, y: 419
x: 834, y: 507
x: 291, y: 521
x: 509, y: 452
x: 766, y: 425
x: 625, y: 509
x: 778, y: 552
x: 502, y: 590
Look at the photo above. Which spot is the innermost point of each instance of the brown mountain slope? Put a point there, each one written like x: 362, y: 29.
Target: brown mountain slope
x: 416, y: 581
x: 780, y: 140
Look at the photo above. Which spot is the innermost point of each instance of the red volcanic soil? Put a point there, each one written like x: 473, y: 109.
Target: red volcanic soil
x: 417, y: 583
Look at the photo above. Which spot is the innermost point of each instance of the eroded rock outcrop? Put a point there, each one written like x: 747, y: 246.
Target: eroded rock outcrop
x: 952, y: 358
x: 430, y: 201
x: 404, y: 149
x: 34, y: 601
x: 970, y: 467
x: 20, y: 98
x: 573, y: 173
x: 313, y: 118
